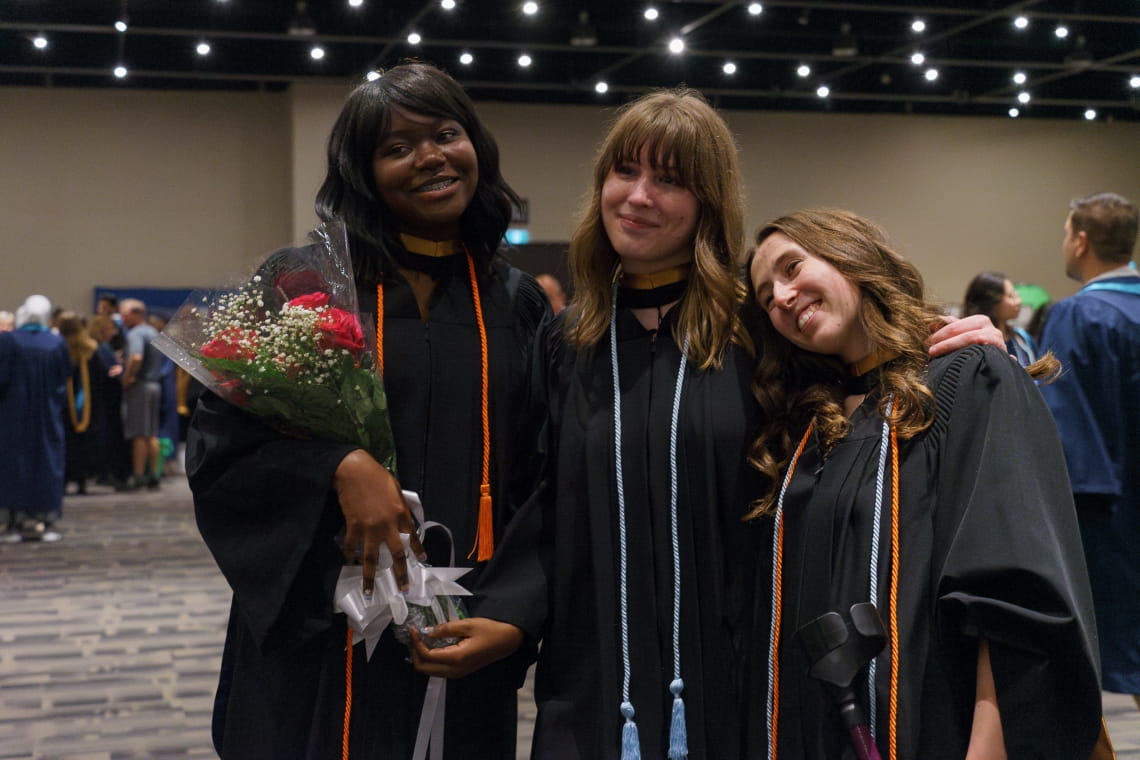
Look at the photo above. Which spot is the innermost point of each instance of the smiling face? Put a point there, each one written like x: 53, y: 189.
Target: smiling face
x: 809, y: 302
x: 426, y: 173
x: 648, y: 216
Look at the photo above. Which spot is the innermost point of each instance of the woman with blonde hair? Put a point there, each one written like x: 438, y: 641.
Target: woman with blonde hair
x: 933, y: 491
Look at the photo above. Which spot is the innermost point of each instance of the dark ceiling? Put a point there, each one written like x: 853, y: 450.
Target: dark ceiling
x: 861, y: 51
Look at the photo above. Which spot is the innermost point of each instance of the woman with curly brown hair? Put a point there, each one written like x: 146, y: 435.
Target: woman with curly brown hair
x: 911, y: 484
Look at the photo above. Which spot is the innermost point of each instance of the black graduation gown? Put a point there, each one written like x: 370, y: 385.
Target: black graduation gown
x: 267, y: 510
x: 989, y: 548
x: 565, y: 546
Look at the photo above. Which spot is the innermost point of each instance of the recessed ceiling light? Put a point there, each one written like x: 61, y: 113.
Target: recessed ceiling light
x: 317, y: 53
x: 203, y: 48
x: 414, y: 38
x: 447, y: 5
x: 1023, y: 97
x: 121, y: 25
x: 803, y: 70
x: 530, y: 8
x: 1019, y: 77
x: 650, y: 14
x: 728, y: 68
x: 1014, y: 113
x: 755, y: 9
x: 466, y: 58
x: 918, y: 26
x: 601, y: 88
x: 823, y: 91
x: 1134, y: 82
x: 1090, y: 114
x: 355, y: 3
x: 525, y: 60
x: 1021, y: 22
x: 40, y: 41
x: 120, y: 71
x: 1061, y: 31
x: 917, y: 59
x: 931, y: 75
x: 676, y: 45
x: 373, y: 75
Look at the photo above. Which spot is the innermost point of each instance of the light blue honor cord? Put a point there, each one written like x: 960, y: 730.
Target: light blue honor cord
x: 631, y: 749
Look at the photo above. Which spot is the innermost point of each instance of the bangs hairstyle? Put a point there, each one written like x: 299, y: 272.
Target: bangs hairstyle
x: 684, y: 136
x: 349, y: 192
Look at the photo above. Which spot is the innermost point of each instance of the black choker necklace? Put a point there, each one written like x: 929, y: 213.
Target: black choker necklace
x: 434, y: 266
x: 639, y: 298
x: 858, y: 385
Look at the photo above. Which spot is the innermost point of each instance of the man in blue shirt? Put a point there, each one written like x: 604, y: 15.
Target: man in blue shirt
x: 142, y: 392
x: 1096, y: 403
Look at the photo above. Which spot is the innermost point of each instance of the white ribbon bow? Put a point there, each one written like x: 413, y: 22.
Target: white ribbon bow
x: 369, y: 617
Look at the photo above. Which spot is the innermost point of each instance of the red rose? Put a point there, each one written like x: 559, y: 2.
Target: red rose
x: 232, y: 391
x: 293, y: 284
x: 310, y: 300
x: 231, y: 343
x: 340, y: 329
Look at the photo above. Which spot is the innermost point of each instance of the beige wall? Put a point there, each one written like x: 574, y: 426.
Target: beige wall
x: 185, y: 189
x: 133, y: 188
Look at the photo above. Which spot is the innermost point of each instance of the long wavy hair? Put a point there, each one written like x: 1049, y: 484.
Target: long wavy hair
x: 681, y: 131
x: 795, y: 387
x: 349, y: 193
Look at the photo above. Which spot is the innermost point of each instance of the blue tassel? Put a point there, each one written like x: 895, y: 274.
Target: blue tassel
x: 678, y: 736
x: 630, y: 743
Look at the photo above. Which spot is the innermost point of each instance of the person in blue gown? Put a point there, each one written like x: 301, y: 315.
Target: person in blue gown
x: 34, y: 367
x: 1096, y: 403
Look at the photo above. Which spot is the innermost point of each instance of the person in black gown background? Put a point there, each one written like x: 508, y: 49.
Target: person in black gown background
x: 415, y: 176
x: 979, y: 576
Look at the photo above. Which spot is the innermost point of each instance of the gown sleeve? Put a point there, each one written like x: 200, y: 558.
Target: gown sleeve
x: 514, y: 586
x: 266, y: 508
x: 1008, y: 561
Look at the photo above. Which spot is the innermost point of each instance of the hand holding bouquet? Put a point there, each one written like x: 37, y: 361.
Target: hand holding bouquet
x: 288, y: 346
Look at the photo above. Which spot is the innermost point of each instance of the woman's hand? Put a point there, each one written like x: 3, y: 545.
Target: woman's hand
x: 967, y: 331
x: 481, y: 642
x: 374, y: 513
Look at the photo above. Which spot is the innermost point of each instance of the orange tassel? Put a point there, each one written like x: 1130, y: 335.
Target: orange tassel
x: 485, y: 536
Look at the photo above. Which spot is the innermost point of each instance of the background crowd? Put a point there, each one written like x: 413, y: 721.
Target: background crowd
x: 86, y: 403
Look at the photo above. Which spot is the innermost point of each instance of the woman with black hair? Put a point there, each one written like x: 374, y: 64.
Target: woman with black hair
x: 414, y: 175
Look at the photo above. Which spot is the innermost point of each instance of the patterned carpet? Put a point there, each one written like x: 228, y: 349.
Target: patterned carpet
x: 110, y: 639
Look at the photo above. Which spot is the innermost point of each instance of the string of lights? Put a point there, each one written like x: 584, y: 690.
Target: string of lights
x: 1023, y: 58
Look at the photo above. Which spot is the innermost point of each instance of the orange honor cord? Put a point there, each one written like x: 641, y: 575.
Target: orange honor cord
x: 347, y: 694
x: 778, y: 605
x: 485, y: 533
x: 485, y: 526
x: 892, y: 748
x: 380, y: 328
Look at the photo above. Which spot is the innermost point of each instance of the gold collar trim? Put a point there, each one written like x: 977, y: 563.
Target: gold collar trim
x: 656, y: 279
x: 425, y: 247
x: 870, y: 361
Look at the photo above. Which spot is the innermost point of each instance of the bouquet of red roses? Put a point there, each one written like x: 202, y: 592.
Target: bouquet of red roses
x: 287, y: 345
